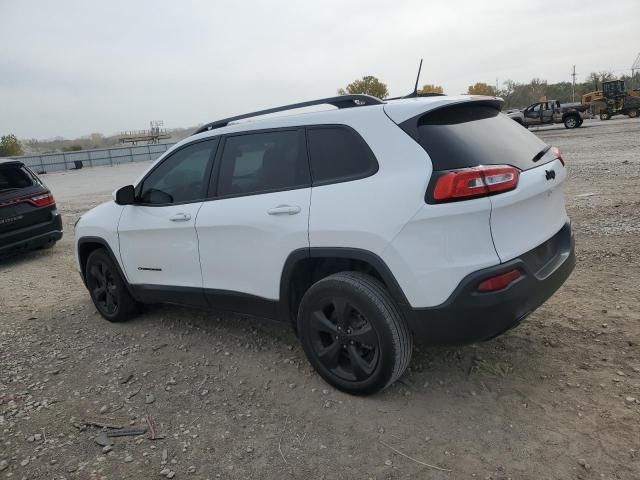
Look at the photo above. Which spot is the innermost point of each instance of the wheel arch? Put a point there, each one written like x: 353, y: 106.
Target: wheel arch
x: 86, y: 245
x: 306, y: 266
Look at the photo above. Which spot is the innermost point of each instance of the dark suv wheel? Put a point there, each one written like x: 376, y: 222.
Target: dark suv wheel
x: 107, y: 288
x: 353, y: 333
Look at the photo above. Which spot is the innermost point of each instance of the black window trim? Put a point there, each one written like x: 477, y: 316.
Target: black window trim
x: 207, y: 173
x: 212, y: 192
x: 213, y: 168
x: 375, y: 165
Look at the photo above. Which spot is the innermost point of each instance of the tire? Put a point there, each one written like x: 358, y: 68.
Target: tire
x: 353, y: 333
x: 571, y: 121
x: 633, y: 113
x: 107, y: 288
x: 605, y: 116
x: 48, y: 245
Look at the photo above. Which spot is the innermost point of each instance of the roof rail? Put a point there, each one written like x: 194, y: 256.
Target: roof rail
x: 342, y: 101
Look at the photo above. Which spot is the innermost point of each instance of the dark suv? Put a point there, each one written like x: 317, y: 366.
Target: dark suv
x: 29, y: 218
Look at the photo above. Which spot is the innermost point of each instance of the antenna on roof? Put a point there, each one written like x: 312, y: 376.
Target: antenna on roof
x: 415, y: 88
x: 415, y: 92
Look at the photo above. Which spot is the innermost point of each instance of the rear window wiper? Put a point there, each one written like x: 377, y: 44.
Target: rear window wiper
x: 541, y: 153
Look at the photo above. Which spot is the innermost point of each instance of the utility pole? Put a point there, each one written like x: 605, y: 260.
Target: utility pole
x: 634, y: 67
x: 573, y: 85
x: 496, y: 92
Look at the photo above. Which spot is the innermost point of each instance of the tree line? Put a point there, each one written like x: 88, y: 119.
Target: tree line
x: 515, y: 94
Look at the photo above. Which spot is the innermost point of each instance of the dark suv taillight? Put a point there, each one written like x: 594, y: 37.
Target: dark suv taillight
x: 42, y: 200
x: 473, y: 182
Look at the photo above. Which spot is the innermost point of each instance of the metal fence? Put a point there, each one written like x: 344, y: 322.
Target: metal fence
x: 53, y: 162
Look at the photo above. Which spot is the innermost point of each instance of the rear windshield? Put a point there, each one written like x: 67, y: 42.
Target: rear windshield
x: 14, y: 177
x: 469, y: 135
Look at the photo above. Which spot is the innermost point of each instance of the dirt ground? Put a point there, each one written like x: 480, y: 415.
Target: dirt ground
x: 235, y: 398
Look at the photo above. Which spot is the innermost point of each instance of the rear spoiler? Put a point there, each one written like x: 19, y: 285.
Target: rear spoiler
x: 402, y: 111
x: 11, y: 162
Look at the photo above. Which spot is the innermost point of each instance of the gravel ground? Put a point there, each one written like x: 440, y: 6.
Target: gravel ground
x: 234, y: 397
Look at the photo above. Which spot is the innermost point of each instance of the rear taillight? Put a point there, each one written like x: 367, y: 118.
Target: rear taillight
x: 499, y: 282
x: 43, y: 200
x: 475, y: 182
x: 558, y: 154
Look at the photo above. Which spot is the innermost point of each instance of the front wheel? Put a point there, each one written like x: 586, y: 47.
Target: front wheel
x: 633, y: 113
x: 107, y: 288
x: 571, y: 122
x: 605, y: 116
x: 353, y: 333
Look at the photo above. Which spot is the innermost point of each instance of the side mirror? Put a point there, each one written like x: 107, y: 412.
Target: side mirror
x: 125, y: 195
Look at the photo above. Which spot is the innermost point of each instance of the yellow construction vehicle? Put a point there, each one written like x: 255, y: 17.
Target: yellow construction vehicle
x: 613, y: 100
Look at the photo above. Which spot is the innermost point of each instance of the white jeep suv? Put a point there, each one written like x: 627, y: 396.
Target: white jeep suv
x: 365, y: 226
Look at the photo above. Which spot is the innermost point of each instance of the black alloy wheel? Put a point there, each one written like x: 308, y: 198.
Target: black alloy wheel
x: 104, y: 290
x: 108, y: 291
x: 343, y: 340
x: 353, y: 333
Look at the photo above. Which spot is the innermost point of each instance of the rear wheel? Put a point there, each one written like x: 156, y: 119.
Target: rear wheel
x: 605, y: 116
x: 107, y: 288
x: 571, y: 122
x: 47, y: 245
x: 353, y: 333
x: 633, y: 113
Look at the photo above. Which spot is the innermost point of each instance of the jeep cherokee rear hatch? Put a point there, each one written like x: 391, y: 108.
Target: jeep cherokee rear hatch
x: 24, y: 200
x: 476, y: 151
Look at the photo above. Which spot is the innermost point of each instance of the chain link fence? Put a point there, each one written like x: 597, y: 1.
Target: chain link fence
x: 54, y: 162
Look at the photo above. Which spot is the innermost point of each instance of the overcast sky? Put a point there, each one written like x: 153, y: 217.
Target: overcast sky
x: 69, y: 68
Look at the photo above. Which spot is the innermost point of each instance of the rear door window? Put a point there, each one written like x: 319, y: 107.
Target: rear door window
x: 339, y: 154
x: 263, y: 162
x: 468, y: 135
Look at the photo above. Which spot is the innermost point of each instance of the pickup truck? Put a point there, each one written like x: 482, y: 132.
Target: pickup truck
x: 552, y: 111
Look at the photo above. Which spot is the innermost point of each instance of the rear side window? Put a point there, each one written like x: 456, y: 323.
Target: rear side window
x: 339, y: 154
x: 14, y: 177
x: 469, y: 135
x: 263, y: 162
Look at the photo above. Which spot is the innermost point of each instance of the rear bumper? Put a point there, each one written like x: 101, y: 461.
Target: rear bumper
x: 33, y: 236
x: 469, y: 316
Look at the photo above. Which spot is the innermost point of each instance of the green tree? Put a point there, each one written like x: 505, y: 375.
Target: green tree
x: 72, y: 148
x: 481, y: 88
x: 368, y: 85
x: 10, y: 146
x: 428, y: 88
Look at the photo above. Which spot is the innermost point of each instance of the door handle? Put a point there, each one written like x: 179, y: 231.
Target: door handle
x: 284, y: 210
x: 180, y: 217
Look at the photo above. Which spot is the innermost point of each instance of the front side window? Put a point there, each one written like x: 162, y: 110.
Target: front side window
x: 180, y: 177
x: 339, y: 154
x: 263, y: 162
